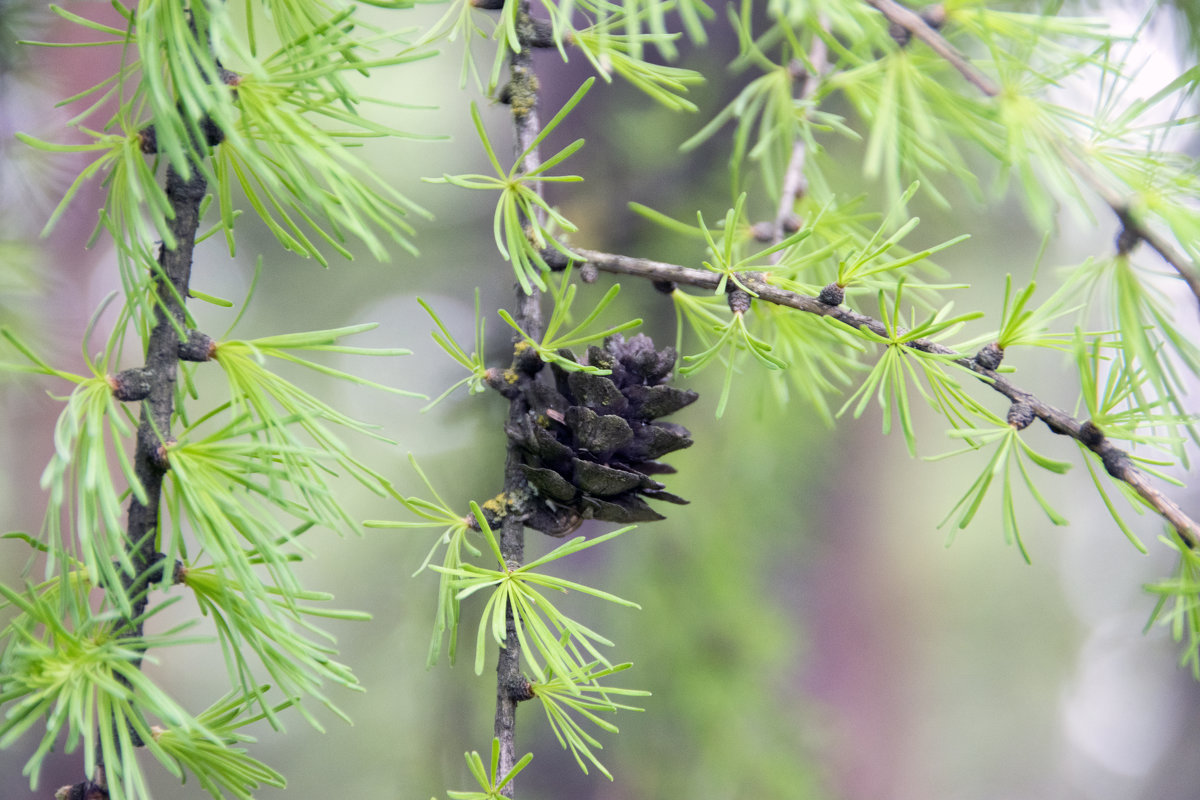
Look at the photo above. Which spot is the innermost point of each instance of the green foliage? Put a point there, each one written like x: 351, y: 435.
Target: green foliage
x: 273, y: 406
x: 280, y: 147
x: 1109, y: 392
x: 1009, y: 450
x: 611, y: 52
x: 473, y: 363
x: 232, y: 489
x: 1146, y: 330
x: 725, y: 258
x: 1110, y: 388
x: 1178, y: 606
x: 820, y: 359
x: 170, y: 88
x: 454, y: 537
x: 221, y: 768
x: 80, y: 677
x: 767, y: 110
x: 722, y: 338
x: 1021, y: 325
x: 246, y: 475
x: 92, y: 426
x: 521, y: 235
x: 546, y: 635
x: 915, y: 115
x: 552, y: 341
x: 489, y: 780
x: 262, y: 619
x: 902, y: 362
x: 582, y: 695
x: 868, y: 260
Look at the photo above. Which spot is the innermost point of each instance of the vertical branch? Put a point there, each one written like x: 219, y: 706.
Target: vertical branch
x: 523, y: 87
x: 170, y: 283
x: 170, y: 288
x: 808, y: 79
x: 162, y: 362
x: 511, y: 686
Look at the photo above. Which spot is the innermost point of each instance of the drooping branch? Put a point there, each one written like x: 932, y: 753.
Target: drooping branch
x: 1117, y: 462
x: 1132, y: 230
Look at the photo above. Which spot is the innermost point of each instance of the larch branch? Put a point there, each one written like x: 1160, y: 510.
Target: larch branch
x: 511, y: 686
x: 808, y: 78
x: 1117, y: 462
x: 897, y: 14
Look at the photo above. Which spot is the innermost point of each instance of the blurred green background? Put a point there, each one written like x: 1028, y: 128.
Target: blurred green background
x: 804, y: 630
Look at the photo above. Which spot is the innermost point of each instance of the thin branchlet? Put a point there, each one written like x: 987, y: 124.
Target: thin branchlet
x: 806, y: 81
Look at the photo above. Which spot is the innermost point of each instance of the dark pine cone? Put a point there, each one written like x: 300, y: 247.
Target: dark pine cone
x: 590, y: 441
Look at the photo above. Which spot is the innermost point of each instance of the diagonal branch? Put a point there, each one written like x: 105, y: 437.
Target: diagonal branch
x: 1132, y: 231
x: 918, y: 27
x: 1118, y: 463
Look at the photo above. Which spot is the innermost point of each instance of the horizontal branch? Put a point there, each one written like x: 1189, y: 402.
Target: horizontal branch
x: 1118, y: 463
x: 1131, y: 230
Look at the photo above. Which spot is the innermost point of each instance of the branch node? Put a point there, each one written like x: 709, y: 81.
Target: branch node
x: 84, y: 790
x: 900, y: 34
x: 1090, y: 435
x: 210, y: 132
x: 518, y: 688
x: 213, y: 134
x: 198, y: 347
x: 762, y: 231
x: 588, y: 273
x: 161, y: 456
x: 832, y: 295
x: 1020, y: 415
x: 148, y: 140
x: 526, y: 360
x: 521, y: 91
x: 934, y: 15
x: 504, y: 381
x: 130, y: 385
x: 739, y: 300
x: 185, y: 191
x: 540, y: 33
x: 494, y: 511
x: 1130, y: 234
x: 555, y: 259
x: 1115, y: 462
x: 990, y: 356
